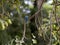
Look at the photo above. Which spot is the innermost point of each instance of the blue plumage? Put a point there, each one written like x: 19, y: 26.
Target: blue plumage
x: 26, y: 19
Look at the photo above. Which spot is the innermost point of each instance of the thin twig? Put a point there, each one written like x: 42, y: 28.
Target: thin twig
x: 24, y: 32
x: 50, y: 14
x: 2, y: 7
x: 54, y: 10
x: 36, y: 22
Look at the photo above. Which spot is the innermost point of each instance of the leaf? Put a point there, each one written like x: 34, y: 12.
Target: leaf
x: 6, y: 24
x: 2, y: 26
x: 9, y: 21
x: 34, y: 41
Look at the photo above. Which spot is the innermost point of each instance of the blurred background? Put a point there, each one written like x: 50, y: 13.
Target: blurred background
x: 18, y: 27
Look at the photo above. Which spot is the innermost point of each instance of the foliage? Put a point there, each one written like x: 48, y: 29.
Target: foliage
x: 12, y: 20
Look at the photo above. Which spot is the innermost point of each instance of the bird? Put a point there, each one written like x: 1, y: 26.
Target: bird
x: 26, y: 18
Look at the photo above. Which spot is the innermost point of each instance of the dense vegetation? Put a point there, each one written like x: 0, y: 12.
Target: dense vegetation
x: 29, y: 22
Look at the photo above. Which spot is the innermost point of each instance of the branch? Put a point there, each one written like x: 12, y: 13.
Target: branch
x: 24, y: 32
x: 37, y: 11
x: 2, y: 7
x: 50, y: 14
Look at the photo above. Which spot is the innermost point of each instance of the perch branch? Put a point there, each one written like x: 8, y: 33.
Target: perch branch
x: 37, y: 11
